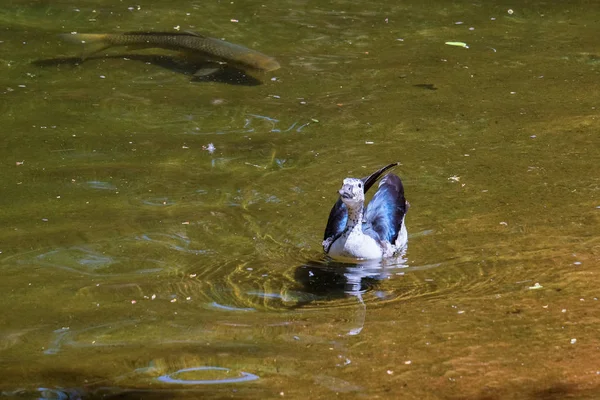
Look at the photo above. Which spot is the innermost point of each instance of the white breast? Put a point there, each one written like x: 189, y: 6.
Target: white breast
x: 356, y: 246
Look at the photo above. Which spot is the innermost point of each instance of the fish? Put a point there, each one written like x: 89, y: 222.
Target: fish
x: 189, y: 42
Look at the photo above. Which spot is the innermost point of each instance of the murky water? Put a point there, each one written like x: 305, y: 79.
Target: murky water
x: 136, y: 263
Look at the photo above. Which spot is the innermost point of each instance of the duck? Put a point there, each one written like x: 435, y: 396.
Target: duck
x: 376, y: 231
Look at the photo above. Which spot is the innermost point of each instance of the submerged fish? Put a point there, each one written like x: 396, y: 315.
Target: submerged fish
x: 190, y: 42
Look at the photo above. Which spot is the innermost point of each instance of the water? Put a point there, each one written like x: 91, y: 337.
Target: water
x: 136, y: 263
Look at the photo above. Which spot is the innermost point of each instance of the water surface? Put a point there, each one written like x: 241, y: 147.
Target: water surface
x: 136, y: 263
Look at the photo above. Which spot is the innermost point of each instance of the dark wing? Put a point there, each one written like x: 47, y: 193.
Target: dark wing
x: 386, y: 210
x: 339, y: 213
x: 336, y: 222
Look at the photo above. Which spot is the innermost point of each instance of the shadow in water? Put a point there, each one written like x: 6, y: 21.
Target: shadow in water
x: 428, y: 86
x: 329, y: 280
x: 223, y: 73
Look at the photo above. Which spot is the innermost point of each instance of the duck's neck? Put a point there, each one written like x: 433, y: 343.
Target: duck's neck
x: 355, y: 217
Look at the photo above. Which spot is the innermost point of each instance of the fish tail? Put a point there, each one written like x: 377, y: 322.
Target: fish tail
x: 94, y: 42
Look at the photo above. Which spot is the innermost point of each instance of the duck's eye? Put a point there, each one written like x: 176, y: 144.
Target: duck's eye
x: 360, y: 185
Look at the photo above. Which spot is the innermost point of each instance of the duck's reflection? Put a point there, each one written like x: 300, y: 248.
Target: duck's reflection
x: 329, y: 279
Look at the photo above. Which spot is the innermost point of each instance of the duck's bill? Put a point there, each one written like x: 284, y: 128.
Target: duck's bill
x: 345, y: 194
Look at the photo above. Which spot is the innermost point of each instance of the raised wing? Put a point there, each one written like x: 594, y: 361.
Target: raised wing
x: 339, y: 213
x: 385, y: 212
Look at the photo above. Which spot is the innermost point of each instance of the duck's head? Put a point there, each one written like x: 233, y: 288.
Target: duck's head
x: 352, y: 192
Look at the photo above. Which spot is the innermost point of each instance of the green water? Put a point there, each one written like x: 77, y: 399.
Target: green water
x: 129, y: 252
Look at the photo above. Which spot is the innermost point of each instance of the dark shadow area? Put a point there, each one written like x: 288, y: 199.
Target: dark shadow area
x: 428, y: 86
x: 553, y: 392
x: 80, y: 386
x: 223, y: 73
x: 116, y: 393
x: 198, y: 392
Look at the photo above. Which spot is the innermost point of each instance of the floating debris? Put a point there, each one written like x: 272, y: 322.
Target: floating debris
x: 535, y: 286
x: 210, y: 148
x: 458, y: 44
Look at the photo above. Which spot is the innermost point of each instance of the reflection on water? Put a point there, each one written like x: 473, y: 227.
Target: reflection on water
x: 330, y: 280
x: 44, y: 393
x: 338, y: 279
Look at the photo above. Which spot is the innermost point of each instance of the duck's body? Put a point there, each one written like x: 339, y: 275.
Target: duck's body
x: 378, y: 231
x: 355, y: 244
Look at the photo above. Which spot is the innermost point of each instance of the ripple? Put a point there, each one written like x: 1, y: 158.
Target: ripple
x: 244, y: 377
x: 158, y: 201
x: 336, y: 384
x: 101, y: 185
x: 173, y: 241
x: 286, y: 296
x: 91, y: 260
x: 68, y: 337
x: 230, y: 308
x: 75, y: 259
x: 256, y: 123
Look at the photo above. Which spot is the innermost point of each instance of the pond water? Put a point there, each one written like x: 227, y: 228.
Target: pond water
x: 161, y: 235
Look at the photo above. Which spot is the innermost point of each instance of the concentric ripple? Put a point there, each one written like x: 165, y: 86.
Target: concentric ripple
x: 174, y: 379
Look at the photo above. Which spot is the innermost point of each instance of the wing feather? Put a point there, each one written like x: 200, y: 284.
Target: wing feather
x: 385, y: 212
